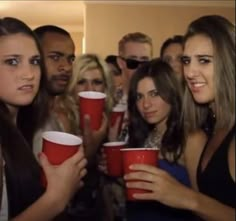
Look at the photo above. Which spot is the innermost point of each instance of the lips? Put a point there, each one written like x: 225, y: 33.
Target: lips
x: 27, y: 87
x: 62, y: 79
x: 196, y: 86
x: 149, y: 114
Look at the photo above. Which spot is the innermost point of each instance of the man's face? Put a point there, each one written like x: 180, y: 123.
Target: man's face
x: 172, y: 55
x: 59, y: 55
x: 135, y: 51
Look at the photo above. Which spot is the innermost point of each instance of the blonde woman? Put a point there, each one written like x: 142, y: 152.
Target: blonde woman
x: 91, y: 73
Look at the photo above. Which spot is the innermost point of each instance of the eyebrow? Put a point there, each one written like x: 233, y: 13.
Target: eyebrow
x: 145, y: 57
x: 56, y: 52
x: 91, y: 79
x: 19, y: 55
x: 12, y: 55
x: 198, y: 55
x: 204, y: 55
x: 36, y: 56
x: 137, y: 57
x: 148, y: 92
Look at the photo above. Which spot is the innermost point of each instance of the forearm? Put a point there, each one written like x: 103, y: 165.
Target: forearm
x: 91, y: 149
x: 210, y: 209
x: 45, y: 208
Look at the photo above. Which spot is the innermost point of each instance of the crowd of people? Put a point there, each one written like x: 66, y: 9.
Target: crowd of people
x: 182, y: 103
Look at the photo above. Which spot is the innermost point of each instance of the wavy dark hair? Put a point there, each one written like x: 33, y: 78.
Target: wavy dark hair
x: 21, y: 168
x: 170, y: 91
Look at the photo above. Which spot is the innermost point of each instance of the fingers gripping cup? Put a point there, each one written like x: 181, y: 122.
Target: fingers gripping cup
x: 114, y: 158
x: 91, y: 103
x: 138, y: 156
x: 59, y: 146
x: 117, y: 112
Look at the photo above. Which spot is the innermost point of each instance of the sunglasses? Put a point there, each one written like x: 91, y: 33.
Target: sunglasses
x: 131, y: 63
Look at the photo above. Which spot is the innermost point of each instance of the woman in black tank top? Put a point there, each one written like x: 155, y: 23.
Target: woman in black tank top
x: 208, y: 61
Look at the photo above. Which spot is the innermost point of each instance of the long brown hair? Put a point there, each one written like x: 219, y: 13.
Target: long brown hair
x: 222, y: 35
x: 36, y: 113
x: 169, y: 89
x: 22, y: 171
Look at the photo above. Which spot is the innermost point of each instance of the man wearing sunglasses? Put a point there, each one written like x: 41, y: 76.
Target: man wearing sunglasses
x: 134, y: 50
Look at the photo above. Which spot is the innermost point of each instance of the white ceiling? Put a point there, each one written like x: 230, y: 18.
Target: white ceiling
x: 70, y: 14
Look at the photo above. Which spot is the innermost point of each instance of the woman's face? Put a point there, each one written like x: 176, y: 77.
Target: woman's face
x: 150, y: 105
x: 20, y: 69
x: 198, y: 68
x: 91, y: 80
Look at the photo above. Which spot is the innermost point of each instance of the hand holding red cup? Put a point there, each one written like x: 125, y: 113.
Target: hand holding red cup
x: 91, y: 103
x: 131, y: 156
x: 59, y: 146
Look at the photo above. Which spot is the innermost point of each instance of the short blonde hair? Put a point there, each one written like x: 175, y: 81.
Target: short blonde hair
x: 134, y: 37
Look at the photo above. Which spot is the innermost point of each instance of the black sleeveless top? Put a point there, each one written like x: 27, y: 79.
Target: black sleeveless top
x: 216, y: 181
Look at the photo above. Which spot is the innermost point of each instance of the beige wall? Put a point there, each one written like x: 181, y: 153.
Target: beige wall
x: 78, y: 40
x: 106, y: 24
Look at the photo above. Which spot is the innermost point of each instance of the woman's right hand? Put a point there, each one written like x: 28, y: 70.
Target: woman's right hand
x: 63, y: 180
x: 161, y: 186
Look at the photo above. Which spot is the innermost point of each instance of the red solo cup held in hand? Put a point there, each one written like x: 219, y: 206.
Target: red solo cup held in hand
x: 58, y: 146
x: 131, y: 156
x: 114, y: 158
x: 117, y: 112
x: 91, y: 103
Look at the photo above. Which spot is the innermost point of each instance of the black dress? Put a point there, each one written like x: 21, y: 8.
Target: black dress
x: 216, y: 181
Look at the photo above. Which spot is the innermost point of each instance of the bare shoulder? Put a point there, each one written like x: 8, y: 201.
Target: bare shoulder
x: 194, y: 146
x: 195, y: 142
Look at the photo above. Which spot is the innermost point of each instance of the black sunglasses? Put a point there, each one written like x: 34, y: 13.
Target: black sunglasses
x: 131, y: 63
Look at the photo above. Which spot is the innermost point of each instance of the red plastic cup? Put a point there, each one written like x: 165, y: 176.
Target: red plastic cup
x: 59, y: 146
x: 138, y: 156
x: 117, y: 112
x: 91, y: 103
x: 114, y: 158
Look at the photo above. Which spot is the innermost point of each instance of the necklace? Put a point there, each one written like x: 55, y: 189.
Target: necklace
x: 154, y: 139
